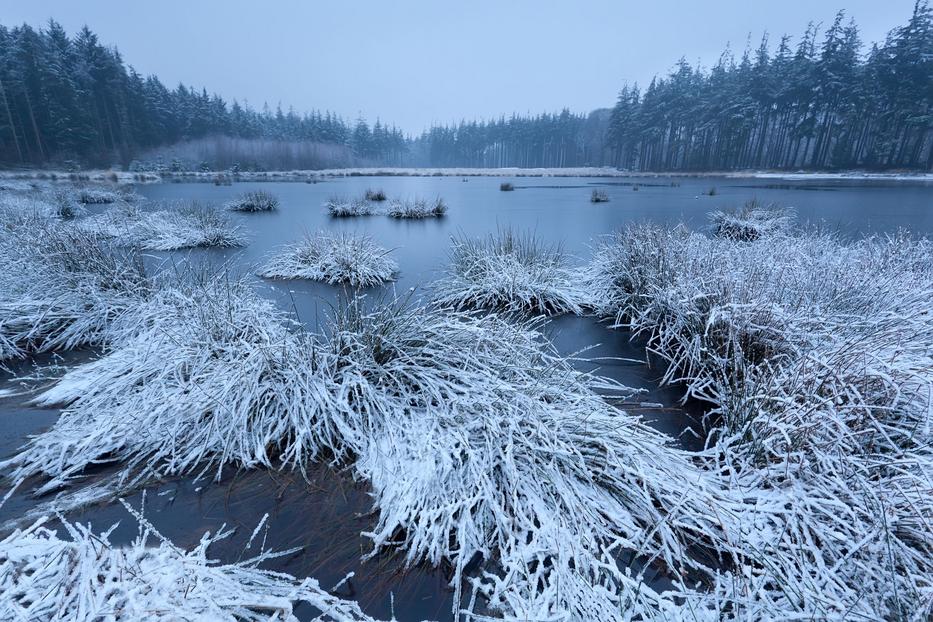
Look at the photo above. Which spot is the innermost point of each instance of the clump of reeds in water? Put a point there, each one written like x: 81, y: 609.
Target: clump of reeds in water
x: 598, y: 196
x: 340, y: 207
x: 96, y: 196
x: 257, y: 201
x: 65, y: 206
x: 509, y: 271
x: 178, y: 225
x: 815, y: 355
x: 417, y: 209
x: 506, y: 187
x: 62, y: 287
x: 711, y: 192
x: 333, y: 258
x: 74, y: 573
x: 750, y: 222
x: 375, y: 195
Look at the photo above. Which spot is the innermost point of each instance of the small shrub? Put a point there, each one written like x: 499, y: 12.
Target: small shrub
x: 506, y: 187
x: 599, y: 196
x: 258, y: 201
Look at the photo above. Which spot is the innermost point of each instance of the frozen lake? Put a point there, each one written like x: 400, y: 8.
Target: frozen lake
x: 326, y: 515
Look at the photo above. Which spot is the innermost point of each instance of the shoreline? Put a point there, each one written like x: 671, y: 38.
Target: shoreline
x: 313, y: 175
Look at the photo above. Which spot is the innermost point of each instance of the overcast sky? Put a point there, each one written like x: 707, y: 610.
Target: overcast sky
x: 414, y: 62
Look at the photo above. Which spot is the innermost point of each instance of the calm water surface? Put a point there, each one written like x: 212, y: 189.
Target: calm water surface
x: 326, y: 515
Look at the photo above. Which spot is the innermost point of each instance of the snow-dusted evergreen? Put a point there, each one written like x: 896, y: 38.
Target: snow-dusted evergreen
x: 75, y: 574
x: 509, y: 271
x: 817, y: 357
x: 257, y: 201
x: 417, y: 208
x: 333, y: 258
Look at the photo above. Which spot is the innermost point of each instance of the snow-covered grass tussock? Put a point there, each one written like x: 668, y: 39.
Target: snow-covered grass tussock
x: 96, y: 196
x: 61, y: 287
x: 186, y: 224
x: 258, y: 201
x: 511, y: 271
x: 340, y: 207
x: 598, y: 196
x: 817, y: 356
x: 333, y: 258
x: 83, y: 577
x: 375, y: 195
x: 751, y: 221
x: 417, y: 208
x: 479, y: 441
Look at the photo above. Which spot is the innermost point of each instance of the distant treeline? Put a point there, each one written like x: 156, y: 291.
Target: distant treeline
x: 70, y: 99
x: 823, y: 103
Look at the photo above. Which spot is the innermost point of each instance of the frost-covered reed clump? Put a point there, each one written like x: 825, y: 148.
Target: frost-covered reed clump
x: 61, y: 287
x: 333, y: 258
x: 177, y: 226
x: 480, y: 442
x: 96, y: 196
x: 83, y: 577
x: 258, y: 201
x: 598, y: 196
x: 750, y: 222
x: 417, y: 209
x: 340, y: 207
x: 375, y: 195
x: 509, y: 271
x: 817, y: 358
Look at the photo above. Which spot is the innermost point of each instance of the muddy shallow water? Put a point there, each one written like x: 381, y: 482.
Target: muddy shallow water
x: 326, y: 514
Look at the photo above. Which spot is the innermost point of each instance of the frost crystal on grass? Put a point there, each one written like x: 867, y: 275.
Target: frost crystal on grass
x: 509, y: 271
x: 340, y: 258
x: 86, y: 578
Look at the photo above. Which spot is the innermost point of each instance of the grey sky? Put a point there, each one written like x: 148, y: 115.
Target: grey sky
x: 414, y: 62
